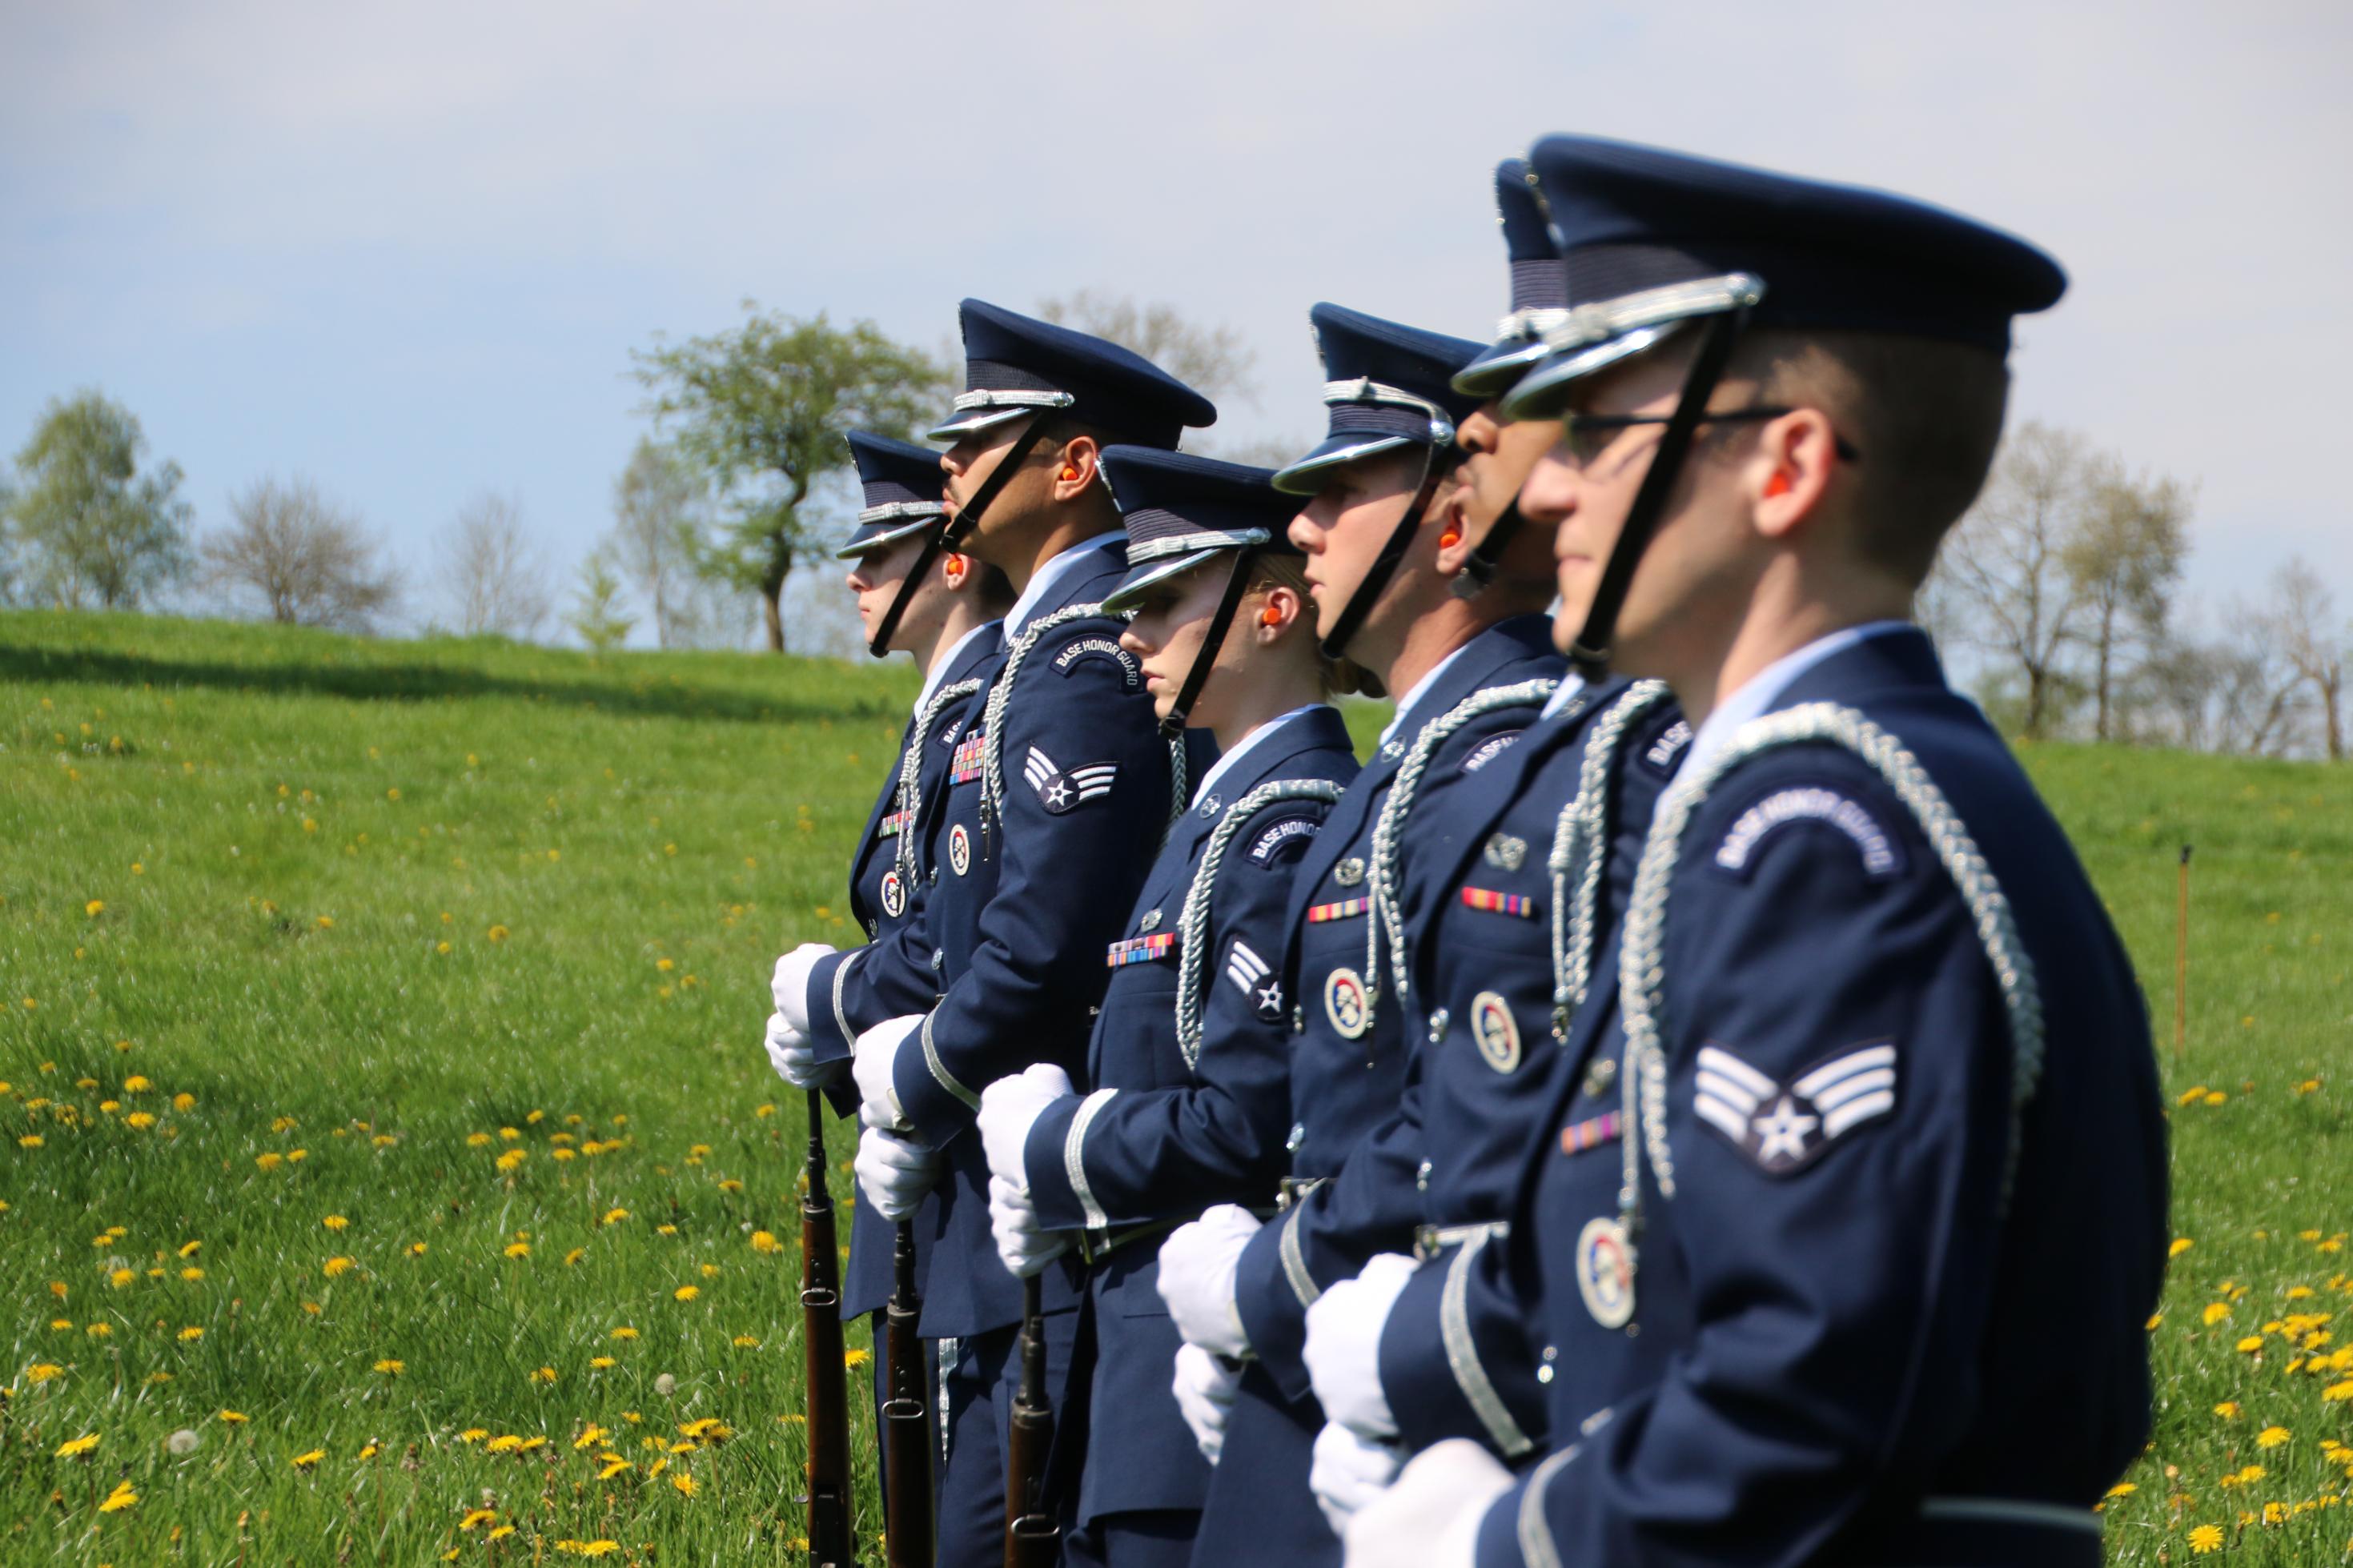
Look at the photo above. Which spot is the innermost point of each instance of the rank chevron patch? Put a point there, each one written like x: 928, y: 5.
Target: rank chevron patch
x: 1785, y: 1127
x: 1062, y: 792
x: 1249, y: 974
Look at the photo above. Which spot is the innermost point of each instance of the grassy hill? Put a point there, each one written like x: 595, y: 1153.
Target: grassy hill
x: 382, y: 1109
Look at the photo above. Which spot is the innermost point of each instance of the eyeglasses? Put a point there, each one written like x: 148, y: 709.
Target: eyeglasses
x: 1588, y: 435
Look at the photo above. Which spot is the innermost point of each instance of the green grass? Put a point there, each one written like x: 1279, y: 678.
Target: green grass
x: 568, y: 826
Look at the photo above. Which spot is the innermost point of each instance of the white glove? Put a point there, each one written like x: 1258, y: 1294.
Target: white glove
x: 794, y: 1056
x: 1009, y: 1108
x: 1023, y: 1244
x: 1430, y: 1517
x: 876, y: 1067
x: 790, y: 982
x: 1349, y: 1472
x: 1197, y: 1278
x: 1343, y: 1346
x: 894, y: 1173
x: 1205, y: 1395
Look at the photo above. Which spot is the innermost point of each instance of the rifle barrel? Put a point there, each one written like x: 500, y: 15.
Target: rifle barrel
x: 1032, y: 1537
x: 906, y: 1416
x: 826, y: 1391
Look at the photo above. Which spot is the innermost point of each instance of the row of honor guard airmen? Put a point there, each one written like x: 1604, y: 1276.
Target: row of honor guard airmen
x: 1680, y: 1102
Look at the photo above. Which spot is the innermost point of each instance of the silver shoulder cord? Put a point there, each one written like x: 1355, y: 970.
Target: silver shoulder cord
x: 1384, y: 919
x: 1193, y: 922
x: 910, y: 798
x: 1640, y: 973
x: 1580, y: 846
x: 1000, y: 691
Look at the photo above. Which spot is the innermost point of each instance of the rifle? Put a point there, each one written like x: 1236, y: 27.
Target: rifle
x: 1032, y: 1538
x: 828, y: 1399
x: 906, y: 1416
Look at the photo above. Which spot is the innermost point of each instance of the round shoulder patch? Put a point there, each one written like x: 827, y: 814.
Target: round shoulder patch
x: 894, y: 894
x: 959, y: 850
x: 1347, y: 1005
x: 1605, y: 1272
x: 1497, y: 1032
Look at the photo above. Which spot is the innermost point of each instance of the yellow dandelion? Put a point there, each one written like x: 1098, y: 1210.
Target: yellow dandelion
x: 684, y: 1483
x: 746, y: 1343
x: 415, y: 1249
x: 544, y: 1374
x: 139, y: 1120
x: 576, y: 1255
x: 614, y: 1467
x: 766, y: 1241
x: 2271, y: 1437
x: 2228, y: 1410
x: 478, y: 1518
x: 391, y: 1368
x: 95, y: 908
x: 81, y: 1445
x: 2337, y: 1392
x: 369, y: 1450
x: 136, y: 1084
x: 191, y: 1274
x: 2216, y: 1312
x: 665, y: 1231
x: 624, y: 1333
x: 308, y: 1460
x: 2205, y: 1537
x: 498, y: 933
x: 31, y: 1141
x: 191, y: 1335
x: 686, y: 1292
x: 473, y: 1435
x: 2181, y: 1244
x: 336, y: 1222
x: 335, y: 1267
x: 601, y: 1361
x: 2251, y: 1345
x: 590, y: 1436
x: 183, y: 1101
x: 2123, y: 1488
x: 615, y: 1216
x: 43, y: 1372
x: 235, y: 1417
x: 270, y: 1160
x: 507, y: 1443
x: 102, y: 1331
x: 508, y: 1162
x: 326, y: 923
x: 120, y: 1497
x: 855, y: 1358
x: 518, y: 1249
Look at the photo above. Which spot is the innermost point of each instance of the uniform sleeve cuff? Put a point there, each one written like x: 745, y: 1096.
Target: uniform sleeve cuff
x: 833, y: 1038
x: 1453, y: 1371
x: 935, y: 1102
x: 1272, y: 1313
x: 1045, y: 1167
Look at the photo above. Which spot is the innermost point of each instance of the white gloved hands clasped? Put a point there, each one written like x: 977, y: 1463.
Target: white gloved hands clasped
x: 1198, y: 1264
x: 1009, y: 1108
x: 794, y: 1056
x: 894, y: 1173
x: 1343, y: 1346
x: 1348, y: 1472
x: 1429, y: 1517
x: 1205, y: 1396
x: 876, y: 1069
x: 789, y: 984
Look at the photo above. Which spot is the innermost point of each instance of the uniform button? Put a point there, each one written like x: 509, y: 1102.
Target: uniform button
x: 1543, y: 1373
x: 939, y: 957
x: 1600, y: 1075
x: 1438, y: 1021
x: 1209, y: 806
x: 1421, y: 1177
x: 1298, y: 1136
x: 1394, y: 750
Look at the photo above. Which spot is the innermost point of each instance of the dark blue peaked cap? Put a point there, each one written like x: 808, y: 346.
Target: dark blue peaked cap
x: 1652, y: 238
x: 1015, y: 364
x: 901, y: 484
x: 1387, y: 385
x: 1181, y: 510
x: 1539, y: 286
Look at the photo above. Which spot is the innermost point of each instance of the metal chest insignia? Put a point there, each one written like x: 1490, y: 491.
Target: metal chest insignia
x: 1507, y: 850
x: 1497, y: 1032
x: 1347, y: 1005
x: 1605, y: 1272
x: 894, y: 894
x: 1349, y: 872
x: 959, y: 850
x: 1151, y: 920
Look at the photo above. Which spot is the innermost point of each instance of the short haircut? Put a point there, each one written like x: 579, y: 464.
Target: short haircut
x: 1339, y: 677
x: 1925, y: 414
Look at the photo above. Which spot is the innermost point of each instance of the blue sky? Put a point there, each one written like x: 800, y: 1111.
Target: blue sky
x: 405, y: 251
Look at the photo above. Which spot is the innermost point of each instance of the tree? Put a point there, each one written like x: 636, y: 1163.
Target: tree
x: 763, y: 409
x: 1213, y: 361
x: 2258, y: 705
x: 307, y: 561
x: 2311, y: 639
x: 9, y: 566
x: 490, y: 571
x: 654, y: 537
x: 97, y: 529
x: 596, y: 615
x: 2003, y: 570
x: 2122, y: 558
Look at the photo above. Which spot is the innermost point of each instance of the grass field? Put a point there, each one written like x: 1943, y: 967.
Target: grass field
x: 391, y: 1169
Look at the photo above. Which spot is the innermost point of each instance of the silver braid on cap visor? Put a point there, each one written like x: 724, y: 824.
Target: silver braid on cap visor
x: 1385, y: 918
x: 1582, y: 325
x: 1580, y: 845
x: 1531, y: 323
x: 891, y: 512
x: 1365, y: 389
x: 1193, y: 922
x: 910, y: 774
x: 1200, y: 541
x: 1011, y: 397
x: 1642, y: 975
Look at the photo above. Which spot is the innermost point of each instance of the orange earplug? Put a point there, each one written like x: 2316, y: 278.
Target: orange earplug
x: 1778, y: 485
x: 1450, y: 538
x: 1270, y: 616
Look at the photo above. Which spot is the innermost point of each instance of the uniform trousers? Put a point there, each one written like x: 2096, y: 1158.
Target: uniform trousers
x: 1259, y: 1508
x: 980, y: 1388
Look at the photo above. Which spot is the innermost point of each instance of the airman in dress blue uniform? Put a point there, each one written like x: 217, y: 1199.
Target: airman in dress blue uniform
x: 1059, y: 792
x: 1383, y: 531
x: 1190, y: 1061
x: 1850, y: 1259
x: 949, y: 627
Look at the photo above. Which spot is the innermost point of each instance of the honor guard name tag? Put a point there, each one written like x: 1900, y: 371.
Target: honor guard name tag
x: 1347, y: 1003
x: 1605, y: 1272
x: 894, y: 894
x: 1497, y: 1032
x: 1516, y: 904
x: 959, y: 850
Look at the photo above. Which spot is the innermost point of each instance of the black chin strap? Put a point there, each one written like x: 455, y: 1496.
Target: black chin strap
x: 950, y: 533
x: 1590, y: 653
x: 1486, y: 558
x: 1220, y: 623
x: 1436, y: 464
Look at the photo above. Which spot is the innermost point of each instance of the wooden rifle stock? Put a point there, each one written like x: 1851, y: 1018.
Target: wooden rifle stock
x: 1032, y: 1537
x: 828, y: 1394
x: 906, y: 1416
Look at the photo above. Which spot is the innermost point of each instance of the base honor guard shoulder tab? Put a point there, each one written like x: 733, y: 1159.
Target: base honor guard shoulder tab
x: 1669, y: 748
x: 1105, y: 650
x: 1488, y: 749
x: 1289, y: 834
x: 1788, y: 805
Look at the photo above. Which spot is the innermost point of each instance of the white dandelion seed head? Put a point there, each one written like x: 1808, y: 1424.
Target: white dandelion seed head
x: 182, y: 1441
x: 665, y: 1385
